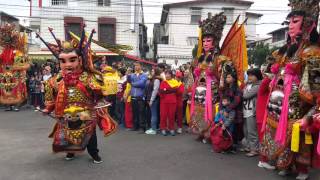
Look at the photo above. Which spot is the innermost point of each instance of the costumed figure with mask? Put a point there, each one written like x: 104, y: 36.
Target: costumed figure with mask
x: 205, y: 88
x: 13, y: 66
x: 289, y: 100
x: 75, y: 98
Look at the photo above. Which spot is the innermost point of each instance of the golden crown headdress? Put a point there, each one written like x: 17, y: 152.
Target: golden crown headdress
x: 310, y: 8
x: 213, y: 26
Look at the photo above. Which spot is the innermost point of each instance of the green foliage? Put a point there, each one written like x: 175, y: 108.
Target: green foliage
x: 258, y: 54
x: 194, y: 51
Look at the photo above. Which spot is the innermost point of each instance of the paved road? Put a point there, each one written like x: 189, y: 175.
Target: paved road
x: 25, y: 154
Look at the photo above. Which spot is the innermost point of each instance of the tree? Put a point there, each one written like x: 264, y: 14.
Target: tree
x: 194, y: 51
x: 258, y: 54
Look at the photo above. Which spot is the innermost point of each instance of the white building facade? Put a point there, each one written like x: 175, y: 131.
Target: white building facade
x: 115, y: 21
x: 179, y: 25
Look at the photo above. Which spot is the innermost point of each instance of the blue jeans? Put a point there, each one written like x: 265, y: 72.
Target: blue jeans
x: 155, y: 114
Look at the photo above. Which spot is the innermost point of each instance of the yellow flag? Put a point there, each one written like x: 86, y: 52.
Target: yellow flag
x: 245, y: 52
x: 199, y: 52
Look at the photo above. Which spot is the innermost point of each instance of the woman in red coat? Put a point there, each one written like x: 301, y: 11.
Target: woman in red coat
x: 168, y: 103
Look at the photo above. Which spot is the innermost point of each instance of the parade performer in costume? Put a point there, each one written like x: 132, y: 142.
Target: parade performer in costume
x: 205, y: 89
x: 289, y: 99
x: 13, y: 66
x: 74, y: 96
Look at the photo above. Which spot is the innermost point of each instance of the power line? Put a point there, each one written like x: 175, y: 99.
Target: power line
x: 125, y: 2
x: 129, y: 4
x: 48, y: 18
x: 89, y: 11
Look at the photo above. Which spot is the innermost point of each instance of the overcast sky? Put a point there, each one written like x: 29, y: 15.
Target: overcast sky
x: 153, y: 11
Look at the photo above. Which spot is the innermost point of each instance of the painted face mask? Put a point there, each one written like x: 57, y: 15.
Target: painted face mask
x: 295, y: 26
x: 207, y: 44
x: 70, y: 63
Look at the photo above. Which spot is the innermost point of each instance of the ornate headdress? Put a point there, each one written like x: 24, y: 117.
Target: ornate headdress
x: 9, y: 37
x: 213, y: 26
x: 82, y: 48
x: 14, y: 46
x: 309, y: 9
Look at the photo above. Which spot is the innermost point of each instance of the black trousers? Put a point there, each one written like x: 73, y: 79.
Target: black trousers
x: 112, y: 109
x: 92, y: 146
x: 147, y: 115
x: 138, y: 112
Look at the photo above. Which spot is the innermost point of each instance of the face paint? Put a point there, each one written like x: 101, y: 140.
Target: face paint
x: 295, y: 26
x: 207, y: 44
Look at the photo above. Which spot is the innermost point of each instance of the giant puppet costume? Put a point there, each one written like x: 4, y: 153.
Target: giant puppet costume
x: 205, y: 89
x: 13, y: 66
x: 290, y: 96
x: 74, y: 95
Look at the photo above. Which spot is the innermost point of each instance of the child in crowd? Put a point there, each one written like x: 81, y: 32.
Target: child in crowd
x: 221, y: 132
x: 168, y: 103
x: 226, y: 114
x: 251, y: 140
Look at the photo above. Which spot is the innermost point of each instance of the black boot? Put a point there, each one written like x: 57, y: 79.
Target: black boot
x: 69, y: 156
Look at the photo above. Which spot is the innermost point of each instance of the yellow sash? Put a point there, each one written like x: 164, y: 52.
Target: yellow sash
x: 173, y: 83
x: 295, y: 138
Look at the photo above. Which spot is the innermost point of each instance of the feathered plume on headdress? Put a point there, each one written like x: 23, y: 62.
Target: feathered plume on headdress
x: 9, y: 37
x: 213, y: 26
x: 82, y: 47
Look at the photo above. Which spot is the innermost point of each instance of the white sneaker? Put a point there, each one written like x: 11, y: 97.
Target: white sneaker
x: 283, y: 173
x: 204, y: 141
x: 302, y: 176
x: 147, y: 131
x: 266, y: 165
x: 179, y: 130
x: 151, y: 132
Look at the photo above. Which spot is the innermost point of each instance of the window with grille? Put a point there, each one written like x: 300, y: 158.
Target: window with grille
x: 195, y: 15
x: 74, y: 27
x: 191, y: 41
x: 104, y: 2
x: 107, y: 33
x: 59, y: 2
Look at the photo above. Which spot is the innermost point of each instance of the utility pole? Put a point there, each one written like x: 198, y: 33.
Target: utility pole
x: 136, y: 26
x: 144, y: 35
x: 143, y: 52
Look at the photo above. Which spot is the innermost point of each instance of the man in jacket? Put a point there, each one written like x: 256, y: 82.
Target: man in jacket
x: 138, y: 82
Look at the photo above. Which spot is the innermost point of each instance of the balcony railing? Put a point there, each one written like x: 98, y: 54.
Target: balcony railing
x: 59, y: 2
